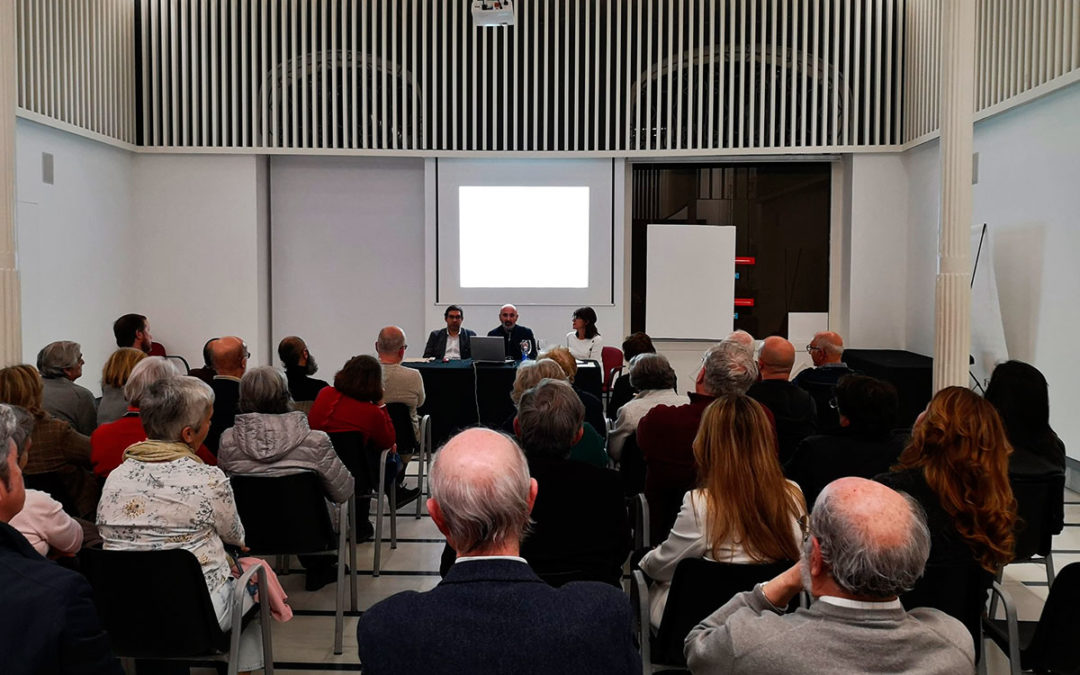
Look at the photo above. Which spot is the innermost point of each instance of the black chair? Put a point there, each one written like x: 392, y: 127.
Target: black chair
x: 368, y: 467
x: 288, y: 515
x: 52, y: 483
x: 409, y: 444
x: 632, y: 467
x: 1038, y: 499
x: 1045, y: 645
x: 174, y: 619
x: 959, y: 590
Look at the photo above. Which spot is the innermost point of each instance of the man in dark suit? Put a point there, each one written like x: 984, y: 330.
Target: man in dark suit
x: 229, y: 356
x: 512, y: 334
x: 48, y: 623
x: 492, y: 614
x: 452, y: 342
x: 793, y: 407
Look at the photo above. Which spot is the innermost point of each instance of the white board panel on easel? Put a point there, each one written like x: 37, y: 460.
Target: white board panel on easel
x: 690, y: 282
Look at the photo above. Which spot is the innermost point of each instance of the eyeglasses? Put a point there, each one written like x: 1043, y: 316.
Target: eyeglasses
x: 804, y: 526
x: 833, y: 403
x: 810, y: 349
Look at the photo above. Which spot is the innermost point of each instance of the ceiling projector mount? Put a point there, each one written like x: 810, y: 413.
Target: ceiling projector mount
x: 493, y: 12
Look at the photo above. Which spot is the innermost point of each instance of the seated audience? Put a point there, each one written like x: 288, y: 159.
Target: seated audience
x: 621, y: 389
x: 956, y: 466
x: 354, y: 403
x: 515, y: 338
x: 1021, y: 396
x: 42, y: 521
x: 584, y: 341
x: 492, y: 613
x: 163, y: 497
x: 60, y: 364
x: 594, y: 409
x: 867, y: 545
x: 590, y: 449
x: 792, y: 408
x: 827, y: 352
x: 744, y: 511
x: 666, y: 433
x: 864, y: 444
x: 450, y: 343
x: 206, y: 372
x: 49, y: 623
x: 580, y: 526
x: 741, y: 337
x: 109, y: 441
x: 229, y: 356
x: 59, y: 458
x: 401, y: 385
x: 133, y: 330
x: 269, y: 437
x: 114, y: 376
x: 300, y: 365
x: 653, y: 378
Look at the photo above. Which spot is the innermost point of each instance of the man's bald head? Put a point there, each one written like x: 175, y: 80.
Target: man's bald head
x: 873, y: 540
x: 229, y: 356
x: 826, y: 347
x: 481, y: 492
x: 390, y: 345
x: 776, y: 358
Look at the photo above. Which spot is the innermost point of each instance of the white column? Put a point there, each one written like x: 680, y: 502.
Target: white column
x: 952, y: 294
x: 10, y: 324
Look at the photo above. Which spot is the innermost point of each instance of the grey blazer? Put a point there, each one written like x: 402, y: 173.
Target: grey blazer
x: 749, y: 635
x: 65, y: 400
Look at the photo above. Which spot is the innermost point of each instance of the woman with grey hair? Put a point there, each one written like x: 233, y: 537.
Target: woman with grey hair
x: 60, y: 364
x: 269, y: 437
x: 164, y: 497
x: 652, y: 376
x: 110, y: 440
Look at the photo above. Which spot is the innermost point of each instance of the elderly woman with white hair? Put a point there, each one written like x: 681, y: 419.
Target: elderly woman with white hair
x: 270, y: 437
x: 652, y: 376
x: 164, y: 497
x: 110, y: 440
x: 60, y: 364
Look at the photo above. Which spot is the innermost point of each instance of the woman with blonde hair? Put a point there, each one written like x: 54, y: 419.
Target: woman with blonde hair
x: 114, y: 376
x: 743, y: 511
x: 594, y: 409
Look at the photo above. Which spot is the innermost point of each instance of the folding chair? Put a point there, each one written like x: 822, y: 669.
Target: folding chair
x: 368, y: 467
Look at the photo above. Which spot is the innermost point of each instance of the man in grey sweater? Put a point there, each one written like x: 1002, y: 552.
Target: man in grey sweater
x: 866, y: 544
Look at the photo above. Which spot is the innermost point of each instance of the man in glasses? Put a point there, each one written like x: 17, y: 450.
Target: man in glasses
x: 229, y: 356
x: 827, y: 352
x: 450, y: 343
x: 866, y: 545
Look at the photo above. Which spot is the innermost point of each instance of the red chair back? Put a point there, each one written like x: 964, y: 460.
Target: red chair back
x: 612, y: 358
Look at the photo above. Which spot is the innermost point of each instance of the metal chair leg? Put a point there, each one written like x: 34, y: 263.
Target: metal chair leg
x: 339, y: 593
x: 393, y: 514
x: 352, y: 551
x: 379, y: 495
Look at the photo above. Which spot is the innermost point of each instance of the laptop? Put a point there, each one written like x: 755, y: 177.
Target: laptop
x: 488, y: 349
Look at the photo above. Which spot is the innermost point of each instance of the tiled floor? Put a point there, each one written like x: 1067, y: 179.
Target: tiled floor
x: 305, y: 644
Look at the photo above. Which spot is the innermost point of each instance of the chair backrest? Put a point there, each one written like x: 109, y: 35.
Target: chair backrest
x: 181, y: 362
x: 172, y: 617
x: 362, y: 462
x: 403, y: 427
x: 612, y: 359
x: 959, y: 590
x: 632, y: 466
x: 1035, y: 506
x: 1051, y: 648
x: 699, y: 588
x: 53, y: 484
x: 283, y: 514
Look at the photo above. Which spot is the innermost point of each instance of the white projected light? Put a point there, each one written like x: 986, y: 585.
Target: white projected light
x: 524, y: 236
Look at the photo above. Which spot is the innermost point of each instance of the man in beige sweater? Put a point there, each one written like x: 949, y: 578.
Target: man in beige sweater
x: 400, y: 385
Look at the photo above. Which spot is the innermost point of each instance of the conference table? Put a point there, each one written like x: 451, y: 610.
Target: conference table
x: 462, y: 394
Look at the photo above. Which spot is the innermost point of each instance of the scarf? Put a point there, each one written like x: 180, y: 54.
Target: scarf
x: 160, y: 451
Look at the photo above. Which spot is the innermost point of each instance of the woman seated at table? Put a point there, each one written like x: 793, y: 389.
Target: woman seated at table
x: 59, y: 457
x: 109, y: 441
x: 269, y: 437
x: 744, y: 511
x: 584, y: 341
x: 114, y: 376
x: 164, y: 497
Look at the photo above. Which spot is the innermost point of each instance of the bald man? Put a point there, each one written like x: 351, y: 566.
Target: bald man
x: 827, y: 352
x: 229, y: 357
x: 793, y: 408
x: 401, y: 385
x: 513, y: 335
x: 492, y: 614
x: 866, y: 545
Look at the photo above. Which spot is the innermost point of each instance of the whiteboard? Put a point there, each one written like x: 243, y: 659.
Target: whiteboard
x: 690, y: 282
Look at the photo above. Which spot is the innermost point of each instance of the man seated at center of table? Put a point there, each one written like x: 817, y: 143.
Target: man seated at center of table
x: 513, y: 335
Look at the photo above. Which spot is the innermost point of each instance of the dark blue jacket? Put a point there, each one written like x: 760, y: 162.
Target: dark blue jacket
x: 512, y: 340
x: 436, y: 344
x: 497, y: 616
x: 48, y: 622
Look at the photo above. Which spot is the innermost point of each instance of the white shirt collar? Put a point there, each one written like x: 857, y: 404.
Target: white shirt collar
x: 861, y: 604
x: 471, y: 558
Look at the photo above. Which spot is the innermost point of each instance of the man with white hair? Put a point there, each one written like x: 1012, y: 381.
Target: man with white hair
x: 866, y: 545
x: 492, y: 614
x: 48, y: 623
x: 514, y: 336
x: 401, y: 385
x: 827, y: 352
x: 60, y: 364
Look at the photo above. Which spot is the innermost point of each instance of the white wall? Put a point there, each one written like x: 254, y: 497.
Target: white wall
x: 347, y: 253
x: 75, y: 238
x: 1027, y: 193
x: 195, y: 269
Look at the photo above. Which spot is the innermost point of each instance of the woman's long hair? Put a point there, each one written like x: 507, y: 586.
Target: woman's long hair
x: 1020, y: 393
x: 961, y: 448
x: 749, y: 501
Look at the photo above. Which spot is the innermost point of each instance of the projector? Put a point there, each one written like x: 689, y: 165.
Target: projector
x: 493, y: 12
